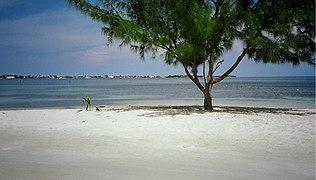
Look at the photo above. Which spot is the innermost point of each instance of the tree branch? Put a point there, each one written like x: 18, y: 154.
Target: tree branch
x: 216, y: 9
x: 196, y: 81
x: 211, y: 66
x: 204, y: 73
x: 114, y: 9
x: 95, y: 12
x: 218, y: 64
x: 231, y: 69
x: 233, y: 3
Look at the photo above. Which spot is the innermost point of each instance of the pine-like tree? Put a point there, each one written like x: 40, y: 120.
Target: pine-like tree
x: 195, y: 33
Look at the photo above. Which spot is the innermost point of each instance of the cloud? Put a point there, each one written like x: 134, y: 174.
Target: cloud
x: 58, y: 29
x: 62, y: 38
x: 7, y: 3
x: 65, y: 32
x: 67, y: 35
x: 62, y: 31
x: 96, y: 55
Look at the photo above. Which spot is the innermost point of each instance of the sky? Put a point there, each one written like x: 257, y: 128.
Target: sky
x: 45, y: 37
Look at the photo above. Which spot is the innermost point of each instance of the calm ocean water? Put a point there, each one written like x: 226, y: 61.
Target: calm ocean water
x: 289, y: 92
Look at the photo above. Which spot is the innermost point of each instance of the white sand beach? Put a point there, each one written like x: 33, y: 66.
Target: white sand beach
x: 157, y: 143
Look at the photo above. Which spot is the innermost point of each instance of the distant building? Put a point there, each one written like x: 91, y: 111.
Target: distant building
x: 9, y: 77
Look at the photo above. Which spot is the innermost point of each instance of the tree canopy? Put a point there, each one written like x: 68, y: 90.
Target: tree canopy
x: 197, y: 32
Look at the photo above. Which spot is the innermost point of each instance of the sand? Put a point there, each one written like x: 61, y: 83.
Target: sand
x: 157, y: 143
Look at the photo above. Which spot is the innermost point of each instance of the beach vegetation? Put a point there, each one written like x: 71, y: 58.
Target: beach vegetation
x: 195, y: 34
x: 89, y: 103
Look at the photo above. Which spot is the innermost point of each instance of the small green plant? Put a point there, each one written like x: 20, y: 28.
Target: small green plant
x: 89, y: 103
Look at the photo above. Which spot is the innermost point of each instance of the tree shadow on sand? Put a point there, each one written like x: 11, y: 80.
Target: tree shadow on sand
x: 157, y: 111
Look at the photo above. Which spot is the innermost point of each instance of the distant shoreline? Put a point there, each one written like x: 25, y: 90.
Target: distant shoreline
x: 9, y: 76
x: 92, y: 77
x: 71, y: 77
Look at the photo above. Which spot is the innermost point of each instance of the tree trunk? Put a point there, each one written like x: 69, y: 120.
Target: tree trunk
x: 208, y: 105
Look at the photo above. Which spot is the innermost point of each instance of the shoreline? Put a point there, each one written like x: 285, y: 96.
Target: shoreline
x: 195, y: 108
x: 158, y: 142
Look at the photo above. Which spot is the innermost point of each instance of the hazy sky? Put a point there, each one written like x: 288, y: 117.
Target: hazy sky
x: 43, y: 37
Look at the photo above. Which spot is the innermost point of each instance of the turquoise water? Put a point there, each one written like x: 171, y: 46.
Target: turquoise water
x: 289, y: 92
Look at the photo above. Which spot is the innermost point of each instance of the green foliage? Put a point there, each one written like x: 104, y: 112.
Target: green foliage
x: 89, y: 103
x: 198, y: 32
x: 280, y: 31
x: 274, y: 31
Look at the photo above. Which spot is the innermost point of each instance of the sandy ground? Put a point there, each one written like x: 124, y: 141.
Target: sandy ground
x: 162, y: 143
